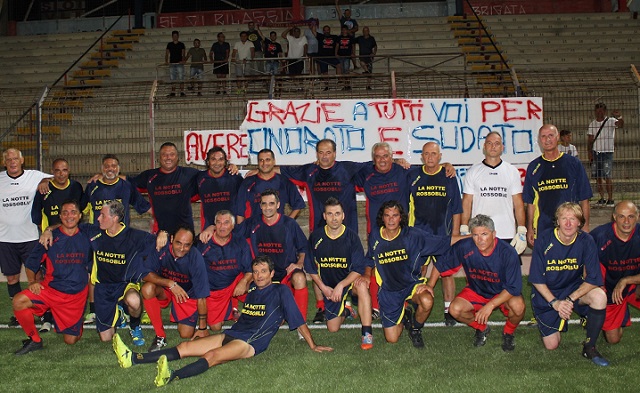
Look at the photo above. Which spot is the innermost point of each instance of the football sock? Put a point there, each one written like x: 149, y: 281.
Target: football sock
x: 509, y: 328
x: 134, y: 322
x: 446, y: 306
x: 366, y: 329
x: 478, y: 326
x: 14, y: 289
x: 152, y: 357
x: 25, y: 317
x: 153, y: 311
x: 301, y: 297
x: 92, y: 307
x: 373, y: 290
x: 198, y: 367
x: 47, y: 317
x: 595, y: 320
x: 320, y: 304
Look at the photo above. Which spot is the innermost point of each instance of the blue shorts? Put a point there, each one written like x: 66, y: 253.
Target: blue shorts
x: 392, y: 304
x: 176, y: 72
x: 346, y: 64
x: 13, y: 255
x: 334, y: 309
x: 602, y: 165
x: 107, y: 297
x: 272, y: 67
x: 549, y: 320
x: 196, y: 73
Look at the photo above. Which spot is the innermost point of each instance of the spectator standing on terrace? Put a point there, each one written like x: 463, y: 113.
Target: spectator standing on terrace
x: 346, y: 20
x: 257, y: 41
x: 18, y: 234
x: 174, y: 57
x: 345, y: 52
x: 219, y: 56
x: 273, y: 51
x: 326, y: 52
x: 601, y: 135
x: 367, y: 48
x: 198, y: 57
x: 243, y: 55
x: 565, y: 145
x: 312, y: 49
x: 298, y: 47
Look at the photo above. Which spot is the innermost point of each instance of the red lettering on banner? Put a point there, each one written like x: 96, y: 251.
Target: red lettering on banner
x: 217, y: 18
x: 196, y: 146
x: 293, y: 114
x: 384, y: 138
x: 328, y: 112
x: 533, y: 110
x: 399, y: 106
x: 504, y: 108
x: 507, y: 104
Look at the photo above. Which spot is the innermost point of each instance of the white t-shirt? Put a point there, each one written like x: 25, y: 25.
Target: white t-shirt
x: 244, y: 50
x: 604, y: 143
x: 296, y: 46
x: 16, y: 196
x: 568, y: 150
x: 493, y: 190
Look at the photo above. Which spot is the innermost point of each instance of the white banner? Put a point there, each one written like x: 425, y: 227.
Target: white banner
x: 292, y: 128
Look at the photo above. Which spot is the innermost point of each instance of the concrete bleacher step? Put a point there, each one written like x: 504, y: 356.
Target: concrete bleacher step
x: 99, y: 64
x: 106, y: 55
x: 46, y: 130
x: 24, y: 145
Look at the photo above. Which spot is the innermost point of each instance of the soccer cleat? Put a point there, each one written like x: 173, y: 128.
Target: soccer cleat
x: 144, y: 318
x: 601, y: 202
x: 349, y: 312
x: 375, y: 314
x: 508, y: 342
x: 13, y: 322
x: 416, y: 338
x: 319, y: 318
x: 45, y: 328
x: 123, y: 318
x: 609, y: 203
x: 407, y: 318
x: 449, y: 320
x: 367, y: 341
x: 481, y: 337
x: 158, y: 344
x: 123, y: 353
x: 90, y: 318
x: 29, y: 346
x: 164, y: 374
x: 592, y: 354
x: 300, y: 337
x: 137, y: 336
x: 533, y: 323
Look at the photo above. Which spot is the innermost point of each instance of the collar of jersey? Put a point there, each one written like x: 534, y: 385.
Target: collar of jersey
x: 393, y: 238
x: 60, y: 188
x: 122, y: 227
x: 548, y: 160
x: 326, y: 231
x: 431, y: 174
x: 555, y: 233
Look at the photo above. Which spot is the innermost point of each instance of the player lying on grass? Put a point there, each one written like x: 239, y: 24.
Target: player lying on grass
x: 266, y: 306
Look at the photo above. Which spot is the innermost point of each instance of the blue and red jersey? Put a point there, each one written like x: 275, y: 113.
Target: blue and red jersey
x: 99, y: 194
x: 67, y: 262
x: 380, y: 188
x: 170, y: 195
x: 248, y: 200
x: 333, y: 259
x: 224, y: 262
x: 321, y: 184
x: 399, y: 261
x: 188, y: 271
x: 282, y: 241
x: 618, y: 258
x: 487, y: 275
x: 216, y: 193
x: 262, y: 315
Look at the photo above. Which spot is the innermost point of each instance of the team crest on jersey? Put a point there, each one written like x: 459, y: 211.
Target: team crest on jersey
x: 535, y: 169
x: 95, y: 237
x: 315, y: 246
x: 415, y: 181
x: 375, y: 244
x: 548, y: 248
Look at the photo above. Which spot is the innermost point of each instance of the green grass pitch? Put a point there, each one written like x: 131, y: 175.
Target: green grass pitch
x: 449, y: 363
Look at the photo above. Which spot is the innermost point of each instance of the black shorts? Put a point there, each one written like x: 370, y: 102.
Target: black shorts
x: 13, y: 256
x: 221, y: 68
x: 323, y: 64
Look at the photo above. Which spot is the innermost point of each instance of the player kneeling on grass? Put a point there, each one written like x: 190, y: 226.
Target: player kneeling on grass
x: 398, y: 252
x: 494, y: 280
x: 336, y: 263
x: 619, y: 254
x: 177, y: 276
x: 266, y: 306
x: 566, y: 277
x: 65, y: 286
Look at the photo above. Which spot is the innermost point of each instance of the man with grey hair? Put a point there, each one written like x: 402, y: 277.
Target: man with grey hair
x: 494, y: 280
x: 18, y: 234
x: 493, y: 187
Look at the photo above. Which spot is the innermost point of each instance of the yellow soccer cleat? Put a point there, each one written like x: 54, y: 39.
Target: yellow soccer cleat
x: 123, y: 352
x: 164, y: 374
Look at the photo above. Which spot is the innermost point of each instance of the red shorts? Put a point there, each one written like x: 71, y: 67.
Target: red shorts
x: 219, y: 303
x: 183, y: 313
x: 67, y: 309
x: 478, y: 301
x: 618, y: 314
